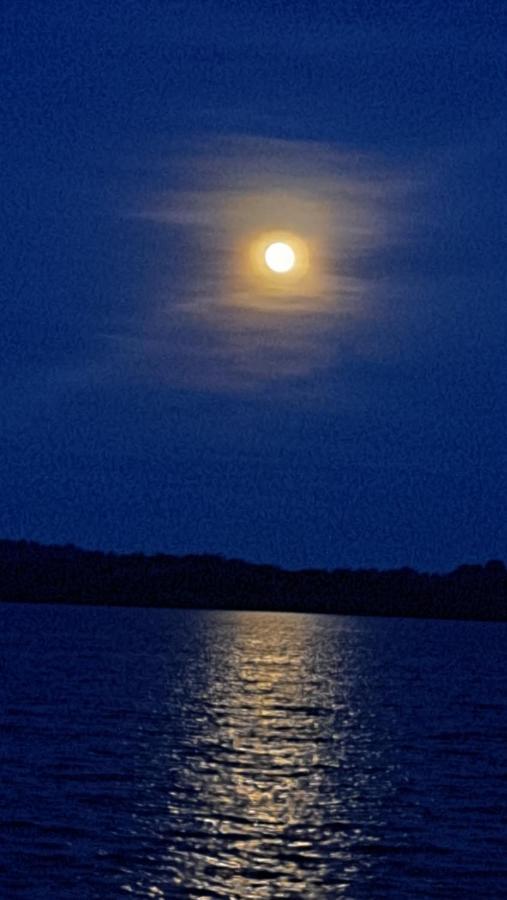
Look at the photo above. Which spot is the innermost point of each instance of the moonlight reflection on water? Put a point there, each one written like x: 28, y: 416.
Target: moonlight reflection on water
x: 259, y: 765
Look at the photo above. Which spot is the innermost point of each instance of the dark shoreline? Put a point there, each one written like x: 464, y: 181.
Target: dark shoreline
x: 33, y: 573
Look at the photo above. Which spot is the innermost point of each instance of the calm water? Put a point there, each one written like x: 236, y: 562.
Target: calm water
x: 149, y: 753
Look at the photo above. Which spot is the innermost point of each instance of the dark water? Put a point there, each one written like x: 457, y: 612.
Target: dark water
x: 151, y: 754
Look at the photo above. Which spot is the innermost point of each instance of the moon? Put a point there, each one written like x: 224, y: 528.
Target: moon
x: 280, y: 257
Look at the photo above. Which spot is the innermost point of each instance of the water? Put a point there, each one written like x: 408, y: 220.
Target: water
x: 162, y: 753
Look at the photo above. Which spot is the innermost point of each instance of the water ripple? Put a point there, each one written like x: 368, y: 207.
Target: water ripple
x: 250, y: 756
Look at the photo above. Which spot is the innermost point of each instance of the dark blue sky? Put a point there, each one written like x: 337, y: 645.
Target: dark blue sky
x: 146, y: 404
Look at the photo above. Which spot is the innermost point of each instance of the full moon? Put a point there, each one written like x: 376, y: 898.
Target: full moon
x: 280, y: 257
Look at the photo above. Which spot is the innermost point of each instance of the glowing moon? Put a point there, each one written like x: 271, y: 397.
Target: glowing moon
x: 280, y: 257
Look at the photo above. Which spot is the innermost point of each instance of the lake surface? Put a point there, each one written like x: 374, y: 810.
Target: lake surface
x: 170, y: 754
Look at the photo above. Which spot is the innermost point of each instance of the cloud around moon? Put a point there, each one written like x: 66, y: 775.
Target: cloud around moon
x: 215, y: 317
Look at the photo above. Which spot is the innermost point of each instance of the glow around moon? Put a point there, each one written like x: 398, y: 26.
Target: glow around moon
x: 280, y: 257
x: 279, y: 232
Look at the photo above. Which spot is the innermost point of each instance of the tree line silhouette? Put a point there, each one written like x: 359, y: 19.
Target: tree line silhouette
x: 31, y: 572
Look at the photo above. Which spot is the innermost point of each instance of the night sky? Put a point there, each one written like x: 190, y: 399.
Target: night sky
x: 152, y: 397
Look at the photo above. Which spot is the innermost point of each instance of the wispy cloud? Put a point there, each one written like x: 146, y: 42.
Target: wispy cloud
x: 209, y: 322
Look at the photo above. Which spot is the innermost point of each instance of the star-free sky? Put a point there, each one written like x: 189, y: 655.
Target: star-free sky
x: 156, y: 395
